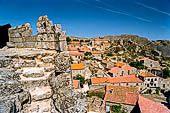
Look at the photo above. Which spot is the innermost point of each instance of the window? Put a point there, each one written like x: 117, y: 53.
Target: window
x: 152, y: 80
x: 148, y: 79
x: 111, y: 91
x: 155, y: 85
x: 127, y: 84
x: 136, y: 84
x: 155, y: 79
x: 147, y: 85
x: 163, y: 85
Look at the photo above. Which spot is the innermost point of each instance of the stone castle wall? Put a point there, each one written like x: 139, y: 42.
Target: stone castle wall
x: 48, y: 36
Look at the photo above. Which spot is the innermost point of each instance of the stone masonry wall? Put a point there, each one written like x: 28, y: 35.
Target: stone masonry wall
x: 48, y: 36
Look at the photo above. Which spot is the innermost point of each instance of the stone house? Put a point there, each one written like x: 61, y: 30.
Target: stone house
x: 77, y: 55
x: 74, y: 44
x: 48, y: 36
x: 150, y: 80
x: 130, y: 80
x: 77, y: 69
x: 121, y: 95
x: 164, y: 84
x: 84, y: 49
x: 129, y: 70
x: 149, y: 62
x: 100, y: 41
x: 105, y: 45
x: 116, y: 71
x: 97, y: 55
x: 73, y: 49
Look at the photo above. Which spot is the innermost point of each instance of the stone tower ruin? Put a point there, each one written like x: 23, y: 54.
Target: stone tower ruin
x: 48, y: 36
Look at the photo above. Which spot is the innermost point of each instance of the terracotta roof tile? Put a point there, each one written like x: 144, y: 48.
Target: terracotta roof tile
x: 149, y: 106
x: 76, y: 54
x: 127, y: 67
x: 119, y: 64
x: 115, y: 70
x: 145, y: 58
x: 72, y: 48
x: 74, y: 43
x: 124, y: 79
x: 120, y: 94
x: 106, y: 43
x: 147, y: 74
x: 76, y: 83
x: 84, y: 49
x: 101, y: 39
x: 99, y: 80
x: 96, y: 52
x: 77, y: 66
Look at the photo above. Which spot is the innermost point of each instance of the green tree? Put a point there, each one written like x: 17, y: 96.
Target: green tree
x: 110, y: 54
x: 88, y: 53
x: 166, y: 72
x: 81, y: 41
x: 87, y: 40
x: 81, y: 78
x: 116, y: 109
x: 68, y: 39
x: 75, y: 40
x: 138, y: 65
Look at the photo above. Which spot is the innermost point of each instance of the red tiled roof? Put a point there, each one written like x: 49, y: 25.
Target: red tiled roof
x: 124, y: 79
x: 72, y: 48
x: 115, y: 70
x: 119, y: 64
x: 149, y: 106
x: 77, y: 66
x: 127, y: 67
x: 101, y: 39
x: 147, y: 74
x: 74, y: 43
x: 131, y: 98
x: 120, y: 94
x: 76, y: 54
x: 76, y: 83
x: 84, y: 49
x: 106, y: 43
x: 99, y: 80
x: 96, y: 52
x: 145, y: 58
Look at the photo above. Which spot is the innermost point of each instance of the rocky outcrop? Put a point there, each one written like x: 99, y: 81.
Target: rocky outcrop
x: 37, y: 81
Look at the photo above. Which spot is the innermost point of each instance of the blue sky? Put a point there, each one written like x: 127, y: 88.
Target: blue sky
x: 93, y: 18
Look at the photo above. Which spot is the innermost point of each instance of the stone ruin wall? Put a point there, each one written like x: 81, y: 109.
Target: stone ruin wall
x: 48, y: 36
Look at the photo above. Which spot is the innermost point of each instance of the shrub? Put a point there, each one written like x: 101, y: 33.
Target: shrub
x: 96, y: 93
x: 158, y: 90
x: 75, y: 40
x: 87, y: 40
x: 68, y: 39
x: 81, y: 78
x: 116, y: 109
x: 88, y: 53
x: 81, y: 40
x: 166, y: 72
x: 110, y: 54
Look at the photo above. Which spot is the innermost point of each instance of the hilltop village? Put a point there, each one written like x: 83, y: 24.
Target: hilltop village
x: 54, y: 73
